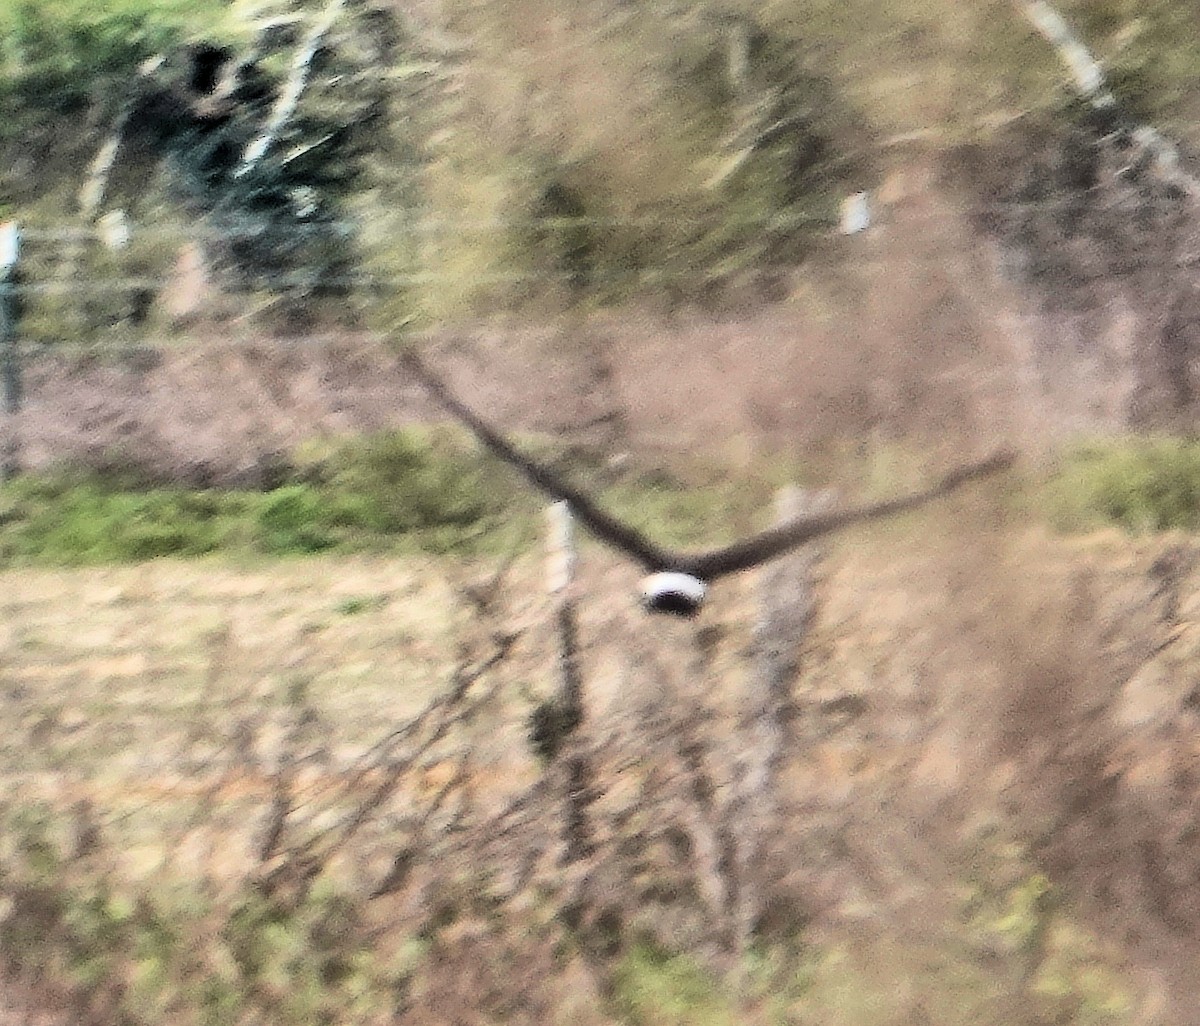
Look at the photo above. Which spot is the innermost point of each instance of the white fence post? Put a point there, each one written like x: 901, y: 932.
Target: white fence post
x: 10, y: 254
x: 567, y: 711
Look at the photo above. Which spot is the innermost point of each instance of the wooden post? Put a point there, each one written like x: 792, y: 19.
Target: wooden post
x: 10, y: 252
x: 1089, y: 78
x: 92, y: 195
x: 856, y: 213
x: 559, y: 580
x: 566, y: 708
x: 94, y: 190
x: 113, y: 229
x: 786, y: 609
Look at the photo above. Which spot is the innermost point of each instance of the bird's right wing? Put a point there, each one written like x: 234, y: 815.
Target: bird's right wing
x: 762, y: 547
x: 601, y: 523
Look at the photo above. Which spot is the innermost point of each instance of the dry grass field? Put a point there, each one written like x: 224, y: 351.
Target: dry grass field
x: 935, y: 846
x: 144, y: 687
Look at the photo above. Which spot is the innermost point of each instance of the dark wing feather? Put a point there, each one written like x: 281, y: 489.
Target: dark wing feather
x: 762, y: 547
x: 599, y: 522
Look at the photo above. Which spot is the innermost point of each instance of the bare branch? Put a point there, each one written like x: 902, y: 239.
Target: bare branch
x: 293, y: 90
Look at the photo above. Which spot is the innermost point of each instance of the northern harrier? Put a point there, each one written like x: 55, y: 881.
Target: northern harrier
x: 678, y: 580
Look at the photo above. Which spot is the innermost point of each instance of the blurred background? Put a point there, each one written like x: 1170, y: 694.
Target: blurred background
x: 295, y: 727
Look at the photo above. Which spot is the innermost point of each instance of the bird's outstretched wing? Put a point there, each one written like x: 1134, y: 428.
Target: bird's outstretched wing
x: 706, y: 566
x: 601, y: 523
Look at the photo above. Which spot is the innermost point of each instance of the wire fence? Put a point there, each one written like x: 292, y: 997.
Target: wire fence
x: 56, y: 261
x: 926, y: 253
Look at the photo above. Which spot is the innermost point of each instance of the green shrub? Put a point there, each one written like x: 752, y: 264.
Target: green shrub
x: 398, y: 487
x: 1147, y: 484
x: 69, y: 520
x: 656, y: 986
x: 292, y: 519
x: 57, y: 56
x: 403, y: 481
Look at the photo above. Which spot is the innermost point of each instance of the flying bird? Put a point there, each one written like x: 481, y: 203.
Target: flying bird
x: 678, y: 581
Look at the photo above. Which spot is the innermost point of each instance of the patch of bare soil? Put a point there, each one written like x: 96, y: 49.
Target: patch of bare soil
x: 942, y: 325
x: 21, y: 1006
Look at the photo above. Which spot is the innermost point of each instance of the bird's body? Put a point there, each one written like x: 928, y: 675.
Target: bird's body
x: 670, y: 591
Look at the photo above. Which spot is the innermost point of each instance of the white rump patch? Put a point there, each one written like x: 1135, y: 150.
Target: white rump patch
x: 673, y: 592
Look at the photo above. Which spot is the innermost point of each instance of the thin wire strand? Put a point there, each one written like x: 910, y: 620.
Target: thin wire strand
x: 444, y: 224
x: 368, y: 284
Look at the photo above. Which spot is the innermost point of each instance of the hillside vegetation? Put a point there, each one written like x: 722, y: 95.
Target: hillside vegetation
x: 527, y: 153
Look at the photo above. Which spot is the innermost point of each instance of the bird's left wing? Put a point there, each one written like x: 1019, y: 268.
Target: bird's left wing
x: 601, y: 523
